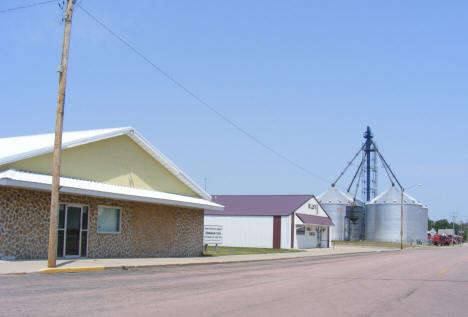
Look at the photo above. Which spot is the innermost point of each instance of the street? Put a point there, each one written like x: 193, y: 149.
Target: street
x: 420, y: 282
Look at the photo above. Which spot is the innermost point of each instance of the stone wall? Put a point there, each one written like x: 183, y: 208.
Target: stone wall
x: 147, y: 230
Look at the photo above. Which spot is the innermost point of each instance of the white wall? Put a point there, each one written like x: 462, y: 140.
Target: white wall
x: 316, y: 209
x: 245, y: 231
x: 309, y: 239
x: 286, y: 232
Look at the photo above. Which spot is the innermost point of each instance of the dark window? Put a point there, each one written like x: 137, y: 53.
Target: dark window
x: 61, y: 223
x: 84, y: 221
x: 60, y: 244
x: 84, y: 243
x: 300, y: 230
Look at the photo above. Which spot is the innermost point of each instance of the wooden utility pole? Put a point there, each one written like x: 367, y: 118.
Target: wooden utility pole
x: 54, y: 201
x: 401, y: 217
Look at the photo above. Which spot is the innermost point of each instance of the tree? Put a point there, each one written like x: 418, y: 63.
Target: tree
x: 442, y: 224
x: 430, y: 224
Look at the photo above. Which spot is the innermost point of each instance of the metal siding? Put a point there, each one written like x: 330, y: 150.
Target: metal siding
x: 338, y: 218
x: 285, y: 232
x: 384, y: 223
x: 356, y: 219
x: 244, y: 231
x: 370, y: 222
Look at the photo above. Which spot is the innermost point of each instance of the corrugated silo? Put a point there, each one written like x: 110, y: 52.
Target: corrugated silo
x: 335, y: 202
x: 424, y: 229
x: 355, y: 222
x: 383, y: 221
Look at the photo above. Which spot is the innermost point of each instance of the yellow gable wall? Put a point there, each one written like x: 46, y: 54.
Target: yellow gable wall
x: 117, y: 160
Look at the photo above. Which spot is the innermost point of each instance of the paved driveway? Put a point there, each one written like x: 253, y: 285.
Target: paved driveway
x: 424, y: 282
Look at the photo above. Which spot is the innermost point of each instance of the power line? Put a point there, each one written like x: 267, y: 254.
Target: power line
x: 27, y: 6
x: 199, y: 99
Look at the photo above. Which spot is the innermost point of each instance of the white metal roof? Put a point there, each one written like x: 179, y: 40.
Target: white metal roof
x: 22, y: 179
x: 334, y: 196
x: 393, y: 196
x: 23, y: 147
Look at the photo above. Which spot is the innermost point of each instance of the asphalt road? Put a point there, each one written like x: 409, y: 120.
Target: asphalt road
x: 423, y: 282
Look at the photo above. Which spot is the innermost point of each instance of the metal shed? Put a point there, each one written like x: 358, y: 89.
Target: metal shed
x: 271, y: 221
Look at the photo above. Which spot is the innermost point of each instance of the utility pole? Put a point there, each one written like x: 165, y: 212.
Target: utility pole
x: 368, y: 136
x: 54, y: 201
x: 454, y: 217
x: 401, y: 217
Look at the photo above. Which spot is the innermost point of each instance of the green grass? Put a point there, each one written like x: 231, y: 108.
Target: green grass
x: 371, y: 243
x: 240, y: 250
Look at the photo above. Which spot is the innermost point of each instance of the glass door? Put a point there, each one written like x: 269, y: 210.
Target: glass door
x: 72, y: 233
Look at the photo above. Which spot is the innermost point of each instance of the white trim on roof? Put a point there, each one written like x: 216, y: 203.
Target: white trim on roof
x: 161, y: 158
x: 16, y: 178
x: 85, y: 137
x: 393, y: 196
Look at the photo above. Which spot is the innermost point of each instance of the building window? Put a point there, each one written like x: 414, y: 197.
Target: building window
x: 109, y: 219
x: 300, y: 230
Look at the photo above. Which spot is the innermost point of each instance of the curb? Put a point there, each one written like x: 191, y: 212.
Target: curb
x: 71, y: 269
x: 124, y: 267
x: 233, y: 261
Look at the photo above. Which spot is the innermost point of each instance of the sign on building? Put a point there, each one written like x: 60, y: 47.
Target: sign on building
x: 446, y: 231
x: 213, y: 234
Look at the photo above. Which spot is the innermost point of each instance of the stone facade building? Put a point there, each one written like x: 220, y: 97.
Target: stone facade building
x: 100, y: 215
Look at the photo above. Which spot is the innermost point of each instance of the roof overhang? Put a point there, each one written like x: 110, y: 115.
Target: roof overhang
x: 314, y: 220
x: 21, y: 179
x: 99, y: 135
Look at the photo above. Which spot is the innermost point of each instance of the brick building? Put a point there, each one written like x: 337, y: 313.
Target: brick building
x: 119, y: 197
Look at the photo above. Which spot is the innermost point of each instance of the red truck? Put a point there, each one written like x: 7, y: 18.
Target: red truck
x: 438, y: 239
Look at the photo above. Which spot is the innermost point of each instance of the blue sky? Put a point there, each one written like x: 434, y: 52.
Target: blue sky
x: 305, y: 77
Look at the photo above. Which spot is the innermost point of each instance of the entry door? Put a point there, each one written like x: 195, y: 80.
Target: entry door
x: 319, y: 237
x: 72, y: 239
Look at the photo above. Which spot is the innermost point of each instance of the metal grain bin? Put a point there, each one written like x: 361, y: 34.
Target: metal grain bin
x: 335, y: 202
x: 383, y: 219
x: 424, y: 229
x: 355, y: 223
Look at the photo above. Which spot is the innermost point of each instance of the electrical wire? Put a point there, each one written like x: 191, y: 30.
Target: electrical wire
x: 199, y: 99
x: 348, y: 165
x: 358, y: 169
x: 388, y: 166
x: 358, y: 182
x: 27, y: 6
x: 386, y: 170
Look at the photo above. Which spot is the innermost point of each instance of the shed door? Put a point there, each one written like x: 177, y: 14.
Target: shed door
x: 276, y: 232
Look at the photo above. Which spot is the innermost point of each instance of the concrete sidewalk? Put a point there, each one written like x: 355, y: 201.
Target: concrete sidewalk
x: 31, y: 266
